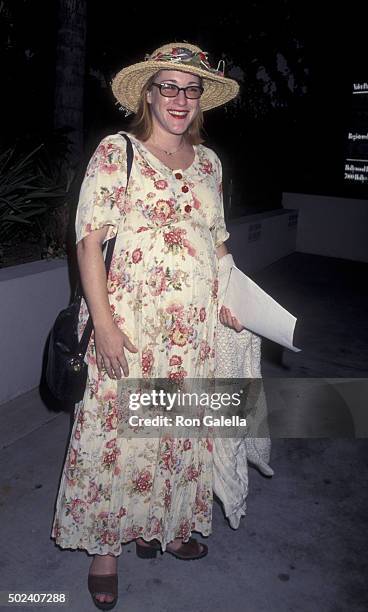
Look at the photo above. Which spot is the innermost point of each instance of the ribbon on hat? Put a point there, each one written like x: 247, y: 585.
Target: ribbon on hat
x: 197, y: 59
x: 124, y: 109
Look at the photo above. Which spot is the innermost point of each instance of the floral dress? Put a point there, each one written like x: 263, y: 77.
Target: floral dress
x: 163, y: 293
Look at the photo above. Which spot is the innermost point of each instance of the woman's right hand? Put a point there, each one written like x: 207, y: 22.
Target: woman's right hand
x: 110, y: 342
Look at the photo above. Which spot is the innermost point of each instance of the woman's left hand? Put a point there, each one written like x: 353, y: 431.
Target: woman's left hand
x: 227, y: 319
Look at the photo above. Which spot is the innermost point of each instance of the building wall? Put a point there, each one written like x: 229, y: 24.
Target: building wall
x: 330, y: 226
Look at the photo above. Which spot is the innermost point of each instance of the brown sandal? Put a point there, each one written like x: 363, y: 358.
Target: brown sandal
x: 106, y: 584
x: 188, y: 551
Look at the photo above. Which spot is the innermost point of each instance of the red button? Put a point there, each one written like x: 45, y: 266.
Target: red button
x: 178, y: 175
x: 185, y: 189
x: 187, y: 208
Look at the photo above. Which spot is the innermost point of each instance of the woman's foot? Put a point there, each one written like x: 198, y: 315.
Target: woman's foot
x: 173, y: 545
x: 103, y: 565
x: 188, y: 550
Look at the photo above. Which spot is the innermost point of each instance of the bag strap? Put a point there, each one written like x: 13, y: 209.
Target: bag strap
x: 82, y: 348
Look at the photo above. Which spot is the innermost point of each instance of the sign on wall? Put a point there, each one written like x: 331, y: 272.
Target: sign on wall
x: 356, y: 144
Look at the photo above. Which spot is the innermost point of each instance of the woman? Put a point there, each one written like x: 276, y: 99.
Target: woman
x: 156, y: 318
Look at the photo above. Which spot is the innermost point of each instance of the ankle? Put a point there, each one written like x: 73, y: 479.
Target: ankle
x: 106, y: 563
x: 143, y: 542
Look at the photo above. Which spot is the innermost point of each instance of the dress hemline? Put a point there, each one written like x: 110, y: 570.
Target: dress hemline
x: 98, y: 551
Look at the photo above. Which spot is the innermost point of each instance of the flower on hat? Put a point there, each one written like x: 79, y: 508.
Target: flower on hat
x: 182, y: 54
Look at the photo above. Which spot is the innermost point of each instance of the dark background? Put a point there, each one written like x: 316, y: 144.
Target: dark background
x: 295, y: 61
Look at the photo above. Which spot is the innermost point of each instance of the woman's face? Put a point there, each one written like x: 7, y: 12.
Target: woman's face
x: 173, y: 115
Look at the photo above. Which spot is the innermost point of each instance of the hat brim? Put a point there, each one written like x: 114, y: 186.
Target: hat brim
x: 128, y: 83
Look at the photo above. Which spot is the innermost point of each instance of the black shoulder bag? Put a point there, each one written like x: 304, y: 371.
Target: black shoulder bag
x: 66, y: 370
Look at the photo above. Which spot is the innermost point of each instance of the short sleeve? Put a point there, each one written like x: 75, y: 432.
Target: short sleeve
x: 218, y: 227
x: 101, y: 198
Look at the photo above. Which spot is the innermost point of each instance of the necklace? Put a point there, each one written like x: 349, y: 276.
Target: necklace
x: 168, y: 152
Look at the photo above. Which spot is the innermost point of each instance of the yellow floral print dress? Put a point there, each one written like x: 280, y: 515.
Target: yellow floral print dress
x: 163, y: 293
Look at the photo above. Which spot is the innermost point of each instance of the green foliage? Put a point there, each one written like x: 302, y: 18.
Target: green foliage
x: 34, y: 187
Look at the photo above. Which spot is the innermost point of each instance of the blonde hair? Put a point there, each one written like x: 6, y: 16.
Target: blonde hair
x: 141, y: 125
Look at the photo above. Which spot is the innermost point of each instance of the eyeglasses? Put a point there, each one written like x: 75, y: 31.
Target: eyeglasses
x: 169, y: 90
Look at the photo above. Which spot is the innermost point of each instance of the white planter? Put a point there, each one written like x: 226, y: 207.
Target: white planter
x: 31, y: 296
x: 330, y: 226
x: 258, y: 240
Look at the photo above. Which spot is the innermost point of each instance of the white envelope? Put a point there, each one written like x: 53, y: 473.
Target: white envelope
x: 258, y: 311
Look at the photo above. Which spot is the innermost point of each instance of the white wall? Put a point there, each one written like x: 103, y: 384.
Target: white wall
x: 330, y: 226
x: 32, y: 294
x: 258, y: 240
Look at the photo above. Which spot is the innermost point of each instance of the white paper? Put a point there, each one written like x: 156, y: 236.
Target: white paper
x: 258, y: 311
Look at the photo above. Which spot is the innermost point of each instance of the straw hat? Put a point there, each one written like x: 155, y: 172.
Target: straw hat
x: 127, y: 84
